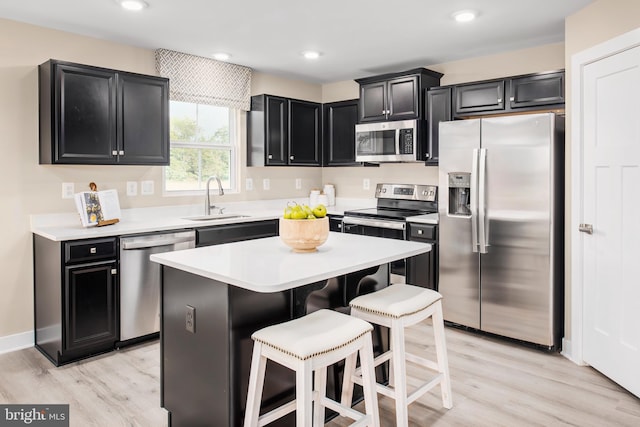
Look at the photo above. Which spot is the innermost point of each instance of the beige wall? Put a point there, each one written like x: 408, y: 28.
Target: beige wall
x: 596, y: 23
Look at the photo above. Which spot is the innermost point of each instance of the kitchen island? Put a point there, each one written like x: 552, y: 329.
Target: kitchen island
x: 213, y: 298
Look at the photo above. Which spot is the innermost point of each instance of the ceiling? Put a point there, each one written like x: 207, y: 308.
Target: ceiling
x: 356, y: 38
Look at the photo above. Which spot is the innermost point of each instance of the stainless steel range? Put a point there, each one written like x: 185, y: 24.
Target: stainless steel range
x: 395, y: 204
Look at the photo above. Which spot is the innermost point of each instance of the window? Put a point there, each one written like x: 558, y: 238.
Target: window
x: 203, y: 143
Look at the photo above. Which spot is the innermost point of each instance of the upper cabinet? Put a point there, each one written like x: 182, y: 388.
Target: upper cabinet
x: 92, y: 115
x: 438, y: 110
x: 283, y: 131
x: 397, y: 96
x: 339, y: 133
x: 513, y: 94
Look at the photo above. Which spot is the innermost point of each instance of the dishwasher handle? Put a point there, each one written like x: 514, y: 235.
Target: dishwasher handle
x: 145, y: 242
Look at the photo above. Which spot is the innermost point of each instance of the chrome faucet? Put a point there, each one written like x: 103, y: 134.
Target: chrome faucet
x: 207, y: 199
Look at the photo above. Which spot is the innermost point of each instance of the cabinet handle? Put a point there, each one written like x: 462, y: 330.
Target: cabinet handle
x: 420, y: 231
x: 121, y: 152
x: 270, y: 156
x: 114, y: 153
x: 114, y: 271
x: 512, y: 98
x: 290, y: 157
x: 499, y: 100
x: 93, y: 250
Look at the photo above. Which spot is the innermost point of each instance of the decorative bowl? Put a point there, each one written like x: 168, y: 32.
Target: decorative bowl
x: 304, y: 235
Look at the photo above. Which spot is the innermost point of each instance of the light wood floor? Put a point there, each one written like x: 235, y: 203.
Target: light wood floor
x: 495, y: 383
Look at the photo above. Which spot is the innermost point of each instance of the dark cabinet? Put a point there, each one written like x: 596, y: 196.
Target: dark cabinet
x: 397, y: 96
x: 92, y: 115
x: 339, y: 133
x: 218, y: 234
x: 438, y: 110
x: 283, y: 131
x: 422, y: 270
x: 479, y: 97
x: 536, y: 90
x: 76, y: 287
x: 528, y: 92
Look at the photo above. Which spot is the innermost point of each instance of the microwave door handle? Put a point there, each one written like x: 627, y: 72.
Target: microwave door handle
x: 474, y: 201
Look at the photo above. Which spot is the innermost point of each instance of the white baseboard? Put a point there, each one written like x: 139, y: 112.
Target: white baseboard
x: 566, y: 352
x: 16, y: 342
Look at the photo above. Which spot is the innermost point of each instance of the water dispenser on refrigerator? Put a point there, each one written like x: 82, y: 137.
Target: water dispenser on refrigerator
x: 459, y: 193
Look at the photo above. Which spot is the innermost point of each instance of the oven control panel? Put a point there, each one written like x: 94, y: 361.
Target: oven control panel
x: 428, y: 193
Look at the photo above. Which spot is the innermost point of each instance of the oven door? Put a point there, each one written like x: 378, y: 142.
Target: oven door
x: 389, y: 229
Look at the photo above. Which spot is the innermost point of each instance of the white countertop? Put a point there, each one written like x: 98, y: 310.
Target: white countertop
x: 268, y: 265
x: 66, y: 226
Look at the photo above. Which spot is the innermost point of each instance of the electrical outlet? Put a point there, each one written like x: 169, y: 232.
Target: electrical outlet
x: 298, y: 184
x: 190, y: 319
x: 248, y: 184
x: 132, y: 188
x: 366, y: 184
x: 146, y: 188
x: 266, y: 184
x: 67, y: 190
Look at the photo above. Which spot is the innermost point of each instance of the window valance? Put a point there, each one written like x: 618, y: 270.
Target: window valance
x: 205, y: 81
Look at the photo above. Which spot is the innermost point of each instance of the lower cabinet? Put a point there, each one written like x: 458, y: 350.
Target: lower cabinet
x: 75, y: 297
x: 422, y: 270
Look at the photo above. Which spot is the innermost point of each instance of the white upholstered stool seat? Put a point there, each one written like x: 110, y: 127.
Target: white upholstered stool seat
x: 397, y: 307
x: 308, y: 345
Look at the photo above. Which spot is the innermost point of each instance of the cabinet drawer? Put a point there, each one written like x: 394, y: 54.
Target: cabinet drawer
x: 236, y: 232
x: 90, y: 250
x: 422, y: 232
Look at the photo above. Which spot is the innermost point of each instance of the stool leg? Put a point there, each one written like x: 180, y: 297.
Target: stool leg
x: 400, y: 374
x: 391, y: 382
x: 441, y: 353
x: 369, y: 381
x: 347, y: 380
x: 304, y: 394
x: 320, y: 391
x: 256, y: 383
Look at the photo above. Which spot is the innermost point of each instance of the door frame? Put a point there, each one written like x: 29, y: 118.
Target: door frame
x: 573, y: 348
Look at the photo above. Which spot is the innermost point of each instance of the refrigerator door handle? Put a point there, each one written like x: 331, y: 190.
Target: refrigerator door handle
x: 474, y: 201
x: 482, y: 201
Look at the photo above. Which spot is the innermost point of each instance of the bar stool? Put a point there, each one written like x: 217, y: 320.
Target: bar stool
x: 397, y: 307
x: 308, y: 345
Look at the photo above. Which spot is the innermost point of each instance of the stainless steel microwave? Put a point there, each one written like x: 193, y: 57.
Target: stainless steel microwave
x: 388, y: 141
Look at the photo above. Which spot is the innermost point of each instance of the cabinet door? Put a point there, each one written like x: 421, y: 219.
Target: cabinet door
x: 531, y: 91
x: 85, y: 111
x: 220, y: 234
x: 438, y: 110
x: 304, y: 133
x: 276, y: 124
x: 473, y: 98
x: 339, y: 137
x: 143, y: 113
x: 373, y: 102
x: 90, y: 296
x: 403, y: 100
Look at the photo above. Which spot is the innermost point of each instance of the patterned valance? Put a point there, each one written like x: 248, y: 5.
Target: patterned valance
x: 205, y: 81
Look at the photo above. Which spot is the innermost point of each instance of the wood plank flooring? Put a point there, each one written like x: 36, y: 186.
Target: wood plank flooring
x: 495, y: 383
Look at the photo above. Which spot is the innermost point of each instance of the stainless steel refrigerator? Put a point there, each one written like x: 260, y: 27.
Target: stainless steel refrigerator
x: 501, y: 216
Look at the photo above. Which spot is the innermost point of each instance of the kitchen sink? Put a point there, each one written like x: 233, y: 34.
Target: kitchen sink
x: 214, y: 217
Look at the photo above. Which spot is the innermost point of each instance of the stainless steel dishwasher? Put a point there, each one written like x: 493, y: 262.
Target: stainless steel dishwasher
x: 140, y: 280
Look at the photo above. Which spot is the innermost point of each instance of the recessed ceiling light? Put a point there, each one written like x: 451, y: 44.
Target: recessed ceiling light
x: 221, y: 56
x: 311, y: 54
x: 464, y: 15
x: 133, y: 4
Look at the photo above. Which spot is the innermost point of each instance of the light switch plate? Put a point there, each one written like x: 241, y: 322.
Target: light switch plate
x: 266, y: 184
x: 132, y: 188
x: 67, y: 190
x: 146, y: 188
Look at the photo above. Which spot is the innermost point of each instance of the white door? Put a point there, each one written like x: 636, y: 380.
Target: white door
x: 611, y: 204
